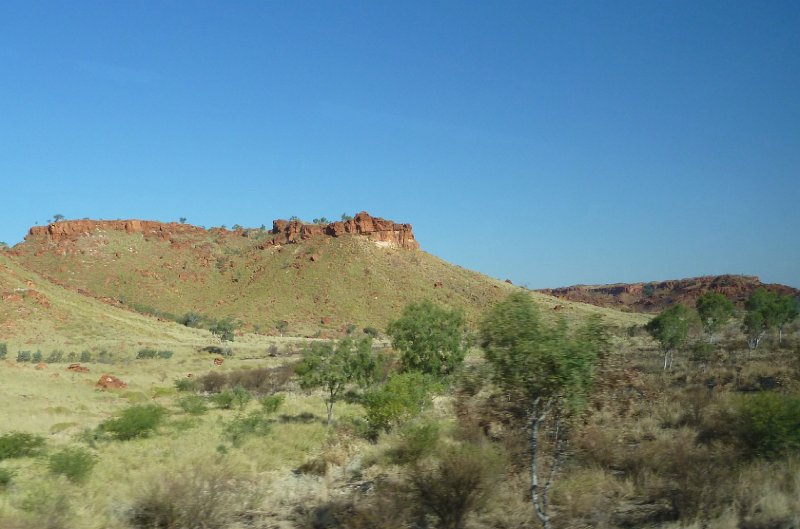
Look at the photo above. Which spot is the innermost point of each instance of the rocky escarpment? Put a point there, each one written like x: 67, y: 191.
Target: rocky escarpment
x: 655, y: 296
x: 73, y: 229
x: 376, y: 229
x: 381, y: 231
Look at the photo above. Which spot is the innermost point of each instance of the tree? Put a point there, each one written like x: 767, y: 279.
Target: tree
x: 788, y: 308
x: 335, y: 368
x: 182, y: 220
x: 548, y: 370
x: 714, y: 310
x: 281, y: 326
x: 58, y: 217
x: 346, y: 217
x: 763, y: 314
x: 671, y: 329
x: 431, y: 339
x: 223, y: 329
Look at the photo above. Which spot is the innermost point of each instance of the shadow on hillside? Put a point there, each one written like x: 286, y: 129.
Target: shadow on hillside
x: 302, y: 418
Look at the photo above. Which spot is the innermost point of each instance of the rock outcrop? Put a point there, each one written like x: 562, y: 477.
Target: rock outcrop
x: 375, y: 229
x: 73, y: 229
x: 657, y: 295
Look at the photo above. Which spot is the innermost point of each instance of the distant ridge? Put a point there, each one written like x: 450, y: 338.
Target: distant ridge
x: 657, y: 295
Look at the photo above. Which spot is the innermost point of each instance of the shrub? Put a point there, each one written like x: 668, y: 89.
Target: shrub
x: 136, y: 421
x: 460, y: 482
x: 272, y: 403
x: 185, y: 384
x: 260, y: 381
x: 403, y: 396
x: 6, y: 475
x: 770, y: 423
x: 146, y: 354
x: 23, y: 356
x: 37, y: 357
x: 193, y: 404
x: 20, y: 444
x: 72, y: 357
x: 3, y: 350
x: 165, y: 355
x: 256, y: 423
x: 55, y: 357
x: 86, y: 356
x: 74, y: 463
x: 416, y: 442
x: 203, y: 495
x: 371, y: 331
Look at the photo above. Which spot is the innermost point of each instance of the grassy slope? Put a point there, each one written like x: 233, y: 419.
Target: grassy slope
x: 350, y: 281
x: 49, y: 316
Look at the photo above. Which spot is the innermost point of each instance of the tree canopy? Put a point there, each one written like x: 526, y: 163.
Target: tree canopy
x: 714, y: 310
x: 335, y: 368
x: 671, y: 329
x: 430, y: 338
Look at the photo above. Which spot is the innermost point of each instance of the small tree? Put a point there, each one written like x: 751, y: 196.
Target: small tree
x: 547, y: 370
x: 182, y: 220
x: 714, y: 310
x: 336, y: 368
x: 430, y: 338
x: 671, y: 329
x: 281, y: 326
x: 763, y: 314
x: 788, y: 308
x: 58, y: 217
x: 223, y: 329
x: 346, y: 217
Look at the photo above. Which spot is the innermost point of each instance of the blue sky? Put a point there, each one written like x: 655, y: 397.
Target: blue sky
x: 551, y: 143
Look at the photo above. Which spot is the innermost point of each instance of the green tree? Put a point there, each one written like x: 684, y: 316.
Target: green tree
x: 223, y: 329
x: 714, y: 310
x: 547, y: 370
x: 762, y: 314
x: 788, y: 309
x: 58, y: 217
x: 281, y: 326
x: 346, y: 217
x: 335, y: 368
x: 182, y: 220
x: 431, y: 339
x: 671, y: 330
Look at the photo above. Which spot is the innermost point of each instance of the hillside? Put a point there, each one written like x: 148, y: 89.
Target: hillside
x: 655, y: 296
x: 318, y: 279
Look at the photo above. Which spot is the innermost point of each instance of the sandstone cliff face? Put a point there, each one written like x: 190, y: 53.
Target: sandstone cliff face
x: 373, y: 228
x: 73, y: 229
x: 655, y: 296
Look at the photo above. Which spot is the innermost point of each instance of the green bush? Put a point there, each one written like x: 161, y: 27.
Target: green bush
x: 271, y: 403
x: 146, y: 354
x: 86, y: 356
x: 403, y: 396
x: 165, y: 355
x: 770, y: 424
x: 37, y: 357
x: 416, y: 441
x: 6, y: 475
x: 55, y: 357
x: 193, y: 404
x: 256, y: 423
x: 185, y: 384
x: 20, y: 444
x: 23, y: 356
x: 136, y: 421
x: 74, y: 463
x: 3, y: 350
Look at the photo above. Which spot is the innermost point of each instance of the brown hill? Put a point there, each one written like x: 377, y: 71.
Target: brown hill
x: 316, y: 278
x: 655, y: 296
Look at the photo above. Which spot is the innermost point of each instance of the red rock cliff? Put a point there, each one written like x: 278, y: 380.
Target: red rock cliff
x: 72, y: 229
x: 373, y: 228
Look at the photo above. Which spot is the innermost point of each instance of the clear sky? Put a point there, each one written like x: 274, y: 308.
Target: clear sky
x: 551, y: 143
